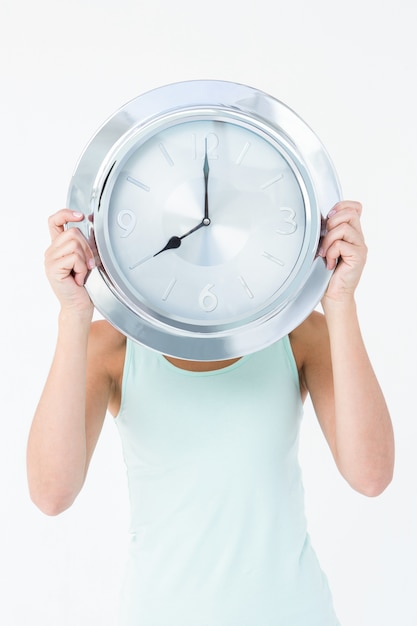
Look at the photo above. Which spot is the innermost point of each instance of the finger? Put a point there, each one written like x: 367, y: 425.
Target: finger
x: 346, y: 204
x: 68, y: 241
x: 80, y: 269
x: 343, y: 251
x: 71, y: 237
x: 348, y: 214
x: 73, y: 265
x: 337, y: 251
x: 68, y: 247
x: 343, y: 232
x: 57, y: 221
x: 343, y: 222
x: 343, y: 240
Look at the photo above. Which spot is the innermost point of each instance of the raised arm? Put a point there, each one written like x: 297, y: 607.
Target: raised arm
x: 336, y: 369
x: 71, y: 410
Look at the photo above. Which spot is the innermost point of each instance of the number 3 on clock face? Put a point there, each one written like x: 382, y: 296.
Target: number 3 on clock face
x: 206, y: 206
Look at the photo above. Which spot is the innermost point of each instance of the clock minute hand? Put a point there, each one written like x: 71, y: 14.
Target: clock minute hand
x: 206, y: 175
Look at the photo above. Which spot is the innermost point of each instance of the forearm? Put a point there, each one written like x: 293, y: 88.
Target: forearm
x: 363, y: 437
x: 56, y: 455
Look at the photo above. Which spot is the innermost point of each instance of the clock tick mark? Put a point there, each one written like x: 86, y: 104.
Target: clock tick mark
x: 146, y: 258
x: 138, y: 183
x: 273, y: 258
x: 245, y: 286
x: 269, y: 183
x: 169, y: 289
x: 166, y: 155
x: 243, y: 153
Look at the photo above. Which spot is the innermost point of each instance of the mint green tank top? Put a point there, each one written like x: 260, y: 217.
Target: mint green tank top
x: 218, y: 531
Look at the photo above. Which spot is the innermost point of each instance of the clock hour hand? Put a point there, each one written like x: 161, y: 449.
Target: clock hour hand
x: 172, y: 243
x: 175, y: 242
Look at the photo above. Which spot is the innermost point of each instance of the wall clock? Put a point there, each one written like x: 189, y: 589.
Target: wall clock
x: 205, y: 201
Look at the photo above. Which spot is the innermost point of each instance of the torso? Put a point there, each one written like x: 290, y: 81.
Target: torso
x: 114, y: 347
x: 216, y: 491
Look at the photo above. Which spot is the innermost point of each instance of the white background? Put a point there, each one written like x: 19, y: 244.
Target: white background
x: 349, y: 69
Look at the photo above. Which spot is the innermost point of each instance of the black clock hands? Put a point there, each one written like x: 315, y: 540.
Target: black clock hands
x: 175, y: 241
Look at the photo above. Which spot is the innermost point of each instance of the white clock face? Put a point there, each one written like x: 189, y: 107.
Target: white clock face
x: 248, y: 241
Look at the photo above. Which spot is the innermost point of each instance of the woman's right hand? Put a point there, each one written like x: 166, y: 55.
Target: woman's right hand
x: 68, y: 260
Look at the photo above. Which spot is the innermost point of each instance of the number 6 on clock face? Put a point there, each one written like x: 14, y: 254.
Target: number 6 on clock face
x: 208, y: 220
x: 208, y: 300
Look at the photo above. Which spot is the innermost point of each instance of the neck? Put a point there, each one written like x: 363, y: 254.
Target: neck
x: 200, y: 366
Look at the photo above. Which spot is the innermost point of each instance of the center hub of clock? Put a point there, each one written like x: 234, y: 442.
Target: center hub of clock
x: 221, y: 236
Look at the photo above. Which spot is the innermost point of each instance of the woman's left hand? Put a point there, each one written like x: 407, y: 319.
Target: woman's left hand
x: 344, y: 248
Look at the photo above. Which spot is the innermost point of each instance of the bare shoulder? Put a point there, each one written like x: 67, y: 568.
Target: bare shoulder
x: 310, y: 333
x: 106, y: 342
x: 310, y: 344
x: 105, y: 338
x: 106, y: 348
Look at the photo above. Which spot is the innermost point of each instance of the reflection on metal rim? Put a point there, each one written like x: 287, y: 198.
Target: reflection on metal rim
x: 226, y: 100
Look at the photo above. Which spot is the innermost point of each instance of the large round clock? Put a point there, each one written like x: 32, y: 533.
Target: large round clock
x: 205, y: 201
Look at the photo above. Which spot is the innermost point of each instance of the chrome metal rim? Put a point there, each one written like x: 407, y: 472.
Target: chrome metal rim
x: 137, y: 119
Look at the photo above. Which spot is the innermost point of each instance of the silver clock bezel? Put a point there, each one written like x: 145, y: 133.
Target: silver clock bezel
x: 206, y: 99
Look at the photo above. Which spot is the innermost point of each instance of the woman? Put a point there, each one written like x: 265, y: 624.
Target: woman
x: 218, y: 530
